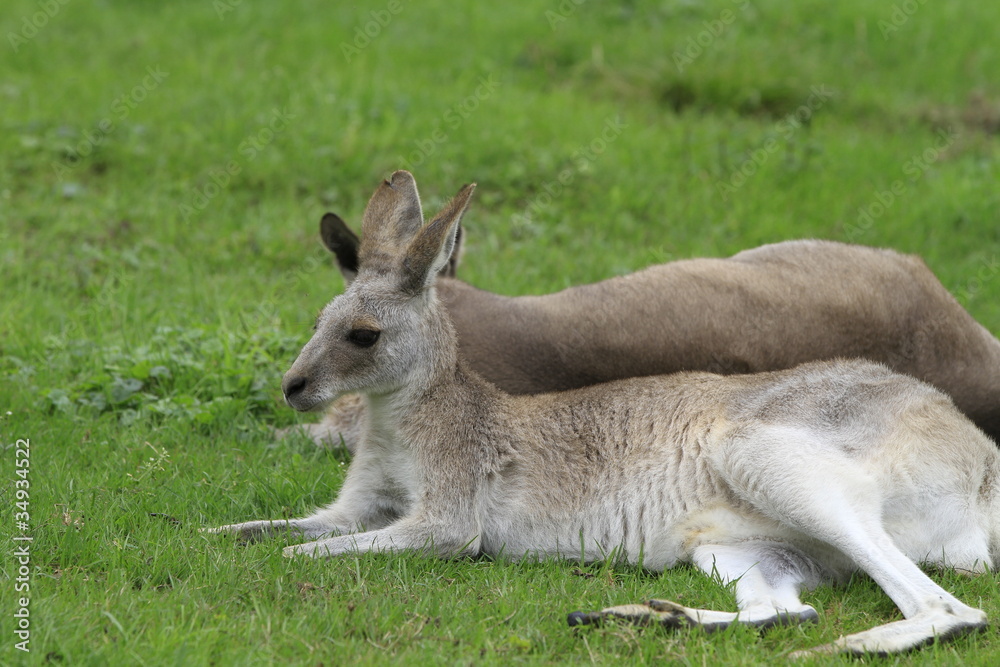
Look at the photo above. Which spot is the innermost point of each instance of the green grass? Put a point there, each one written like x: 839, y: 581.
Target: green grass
x: 147, y: 312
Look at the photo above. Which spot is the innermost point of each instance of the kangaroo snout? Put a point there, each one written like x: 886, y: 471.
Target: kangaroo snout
x: 292, y: 386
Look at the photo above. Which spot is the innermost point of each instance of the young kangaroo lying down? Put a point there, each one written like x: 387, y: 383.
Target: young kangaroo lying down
x: 777, y: 481
x: 764, y: 309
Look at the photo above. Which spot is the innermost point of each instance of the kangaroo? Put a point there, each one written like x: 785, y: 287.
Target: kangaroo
x: 776, y: 481
x: 764, y: 309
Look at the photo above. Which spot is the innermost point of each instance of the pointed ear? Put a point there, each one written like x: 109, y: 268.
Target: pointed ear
x: 430, y: 251
x: 342, y: 242
x: 392, y: 217
x: 451, y: 268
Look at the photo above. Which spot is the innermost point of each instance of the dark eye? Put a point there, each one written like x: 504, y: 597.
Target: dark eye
x: 363, y: 337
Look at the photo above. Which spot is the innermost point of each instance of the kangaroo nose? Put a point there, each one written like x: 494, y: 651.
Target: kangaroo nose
x: 291, y: 386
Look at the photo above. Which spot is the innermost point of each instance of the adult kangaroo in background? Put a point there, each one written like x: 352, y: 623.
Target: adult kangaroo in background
x: 774, y: 481
x: 764, y: 309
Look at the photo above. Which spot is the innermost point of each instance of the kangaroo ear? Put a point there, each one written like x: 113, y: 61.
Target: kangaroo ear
x: 342, y: 242
x: 432, y: 248
x: 451, y: 268
x: 391, y: 219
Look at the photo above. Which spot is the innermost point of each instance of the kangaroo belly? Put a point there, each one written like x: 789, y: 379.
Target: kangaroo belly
x: 633, y: 512
x: 632, y: 532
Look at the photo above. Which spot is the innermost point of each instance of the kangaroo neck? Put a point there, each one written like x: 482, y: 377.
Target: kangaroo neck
x: 451, y: 400
x: 439, y: 389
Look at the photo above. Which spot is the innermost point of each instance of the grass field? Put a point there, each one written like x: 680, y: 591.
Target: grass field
x: 163, y: 168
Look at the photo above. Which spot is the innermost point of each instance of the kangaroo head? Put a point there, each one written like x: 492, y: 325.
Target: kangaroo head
x: 386, y: 326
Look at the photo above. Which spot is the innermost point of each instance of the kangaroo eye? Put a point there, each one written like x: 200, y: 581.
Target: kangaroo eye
x: 363, y: 337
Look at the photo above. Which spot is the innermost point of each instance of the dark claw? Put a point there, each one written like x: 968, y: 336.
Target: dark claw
x: 583, y: 618
x: 166, y: 517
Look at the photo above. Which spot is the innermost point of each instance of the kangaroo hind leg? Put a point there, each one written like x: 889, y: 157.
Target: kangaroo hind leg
x: 835, y: 498
x: 768, y: 576
x: 930, y: 611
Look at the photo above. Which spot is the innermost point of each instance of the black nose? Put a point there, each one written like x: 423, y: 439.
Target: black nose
x: 293, y: 385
